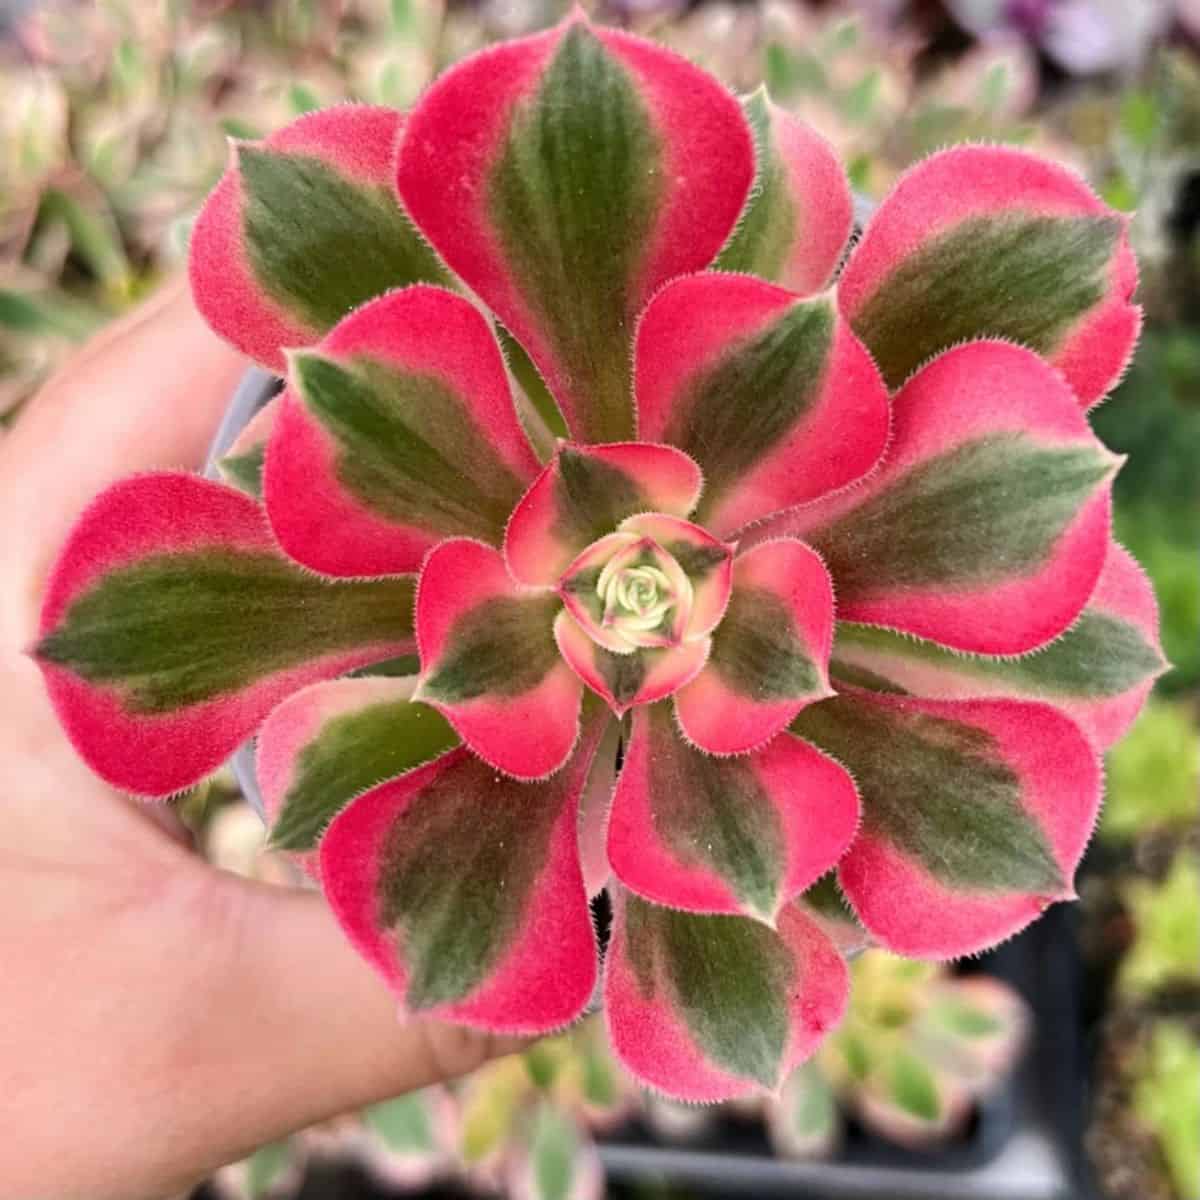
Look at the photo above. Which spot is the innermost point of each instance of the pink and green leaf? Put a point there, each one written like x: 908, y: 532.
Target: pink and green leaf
x: 1099, y: 671
x: 397, y: 430
x: 798, y: 218
x: 242, y: 465
x: 567, y: 176
x: 172, y: 625
x: 334, y: 740
x: 303, y: 228
x: 975, y: 814
x: 489, y: 661
x: 992, y: 242
x: 626, y: 679
x: 584, y: 494
x: 742, y: 834
x: 770, y: 653
x: 772, y: 395
x: 463, y: 889
x: 708, y: 1008
x: 987, y: 526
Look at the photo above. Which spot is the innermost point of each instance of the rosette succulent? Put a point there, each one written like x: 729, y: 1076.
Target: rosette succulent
x: 620, y: 584
x: 917, y: 1050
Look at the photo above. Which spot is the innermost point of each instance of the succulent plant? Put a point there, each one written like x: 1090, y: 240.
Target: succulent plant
x: 917, y: 1050
x: 406, y: 1143
x: 272, y: 1172
x: 1166, y: 922
x: 1146, y: 1107
x: 527, y: 1124
x: 736, y: 445
x: 1154, y: 775
x: 1166, y: 1100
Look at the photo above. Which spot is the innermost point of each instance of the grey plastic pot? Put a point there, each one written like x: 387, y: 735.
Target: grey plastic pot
x: 1024, y: 1144
x: 255, y: 389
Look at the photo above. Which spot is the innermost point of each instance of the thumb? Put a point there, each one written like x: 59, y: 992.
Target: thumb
x: 310, y: 1031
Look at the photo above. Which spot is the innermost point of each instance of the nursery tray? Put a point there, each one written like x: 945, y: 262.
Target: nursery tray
x: 1025, y: 1143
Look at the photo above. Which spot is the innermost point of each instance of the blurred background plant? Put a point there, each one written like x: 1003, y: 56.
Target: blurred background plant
x: 114, y: 120
x: 917, y: 1051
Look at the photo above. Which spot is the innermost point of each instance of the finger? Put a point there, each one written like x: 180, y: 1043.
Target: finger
x: 146, y: 393
x: 357, y: 1050
x: 299, y: 1028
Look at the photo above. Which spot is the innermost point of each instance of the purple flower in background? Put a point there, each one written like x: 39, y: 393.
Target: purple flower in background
x: 1028, y: 17
x: 1083, y: 37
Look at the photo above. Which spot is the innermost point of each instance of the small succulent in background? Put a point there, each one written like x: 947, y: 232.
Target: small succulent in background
x: 1154, y: 775
x: 558, y: 1161
x: 1146, y: 1109
x: 917, y: 1050
x: 114, y: 125
x: 1166, y: 1100
x: 407, y: 1143
x: 528, y: 1123
x: 1166, y: 924
x: 33, y: 149
x: 273, y: 1172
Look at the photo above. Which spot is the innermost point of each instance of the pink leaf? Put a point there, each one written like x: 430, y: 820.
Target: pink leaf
x: 987, y: 526
x: 975, y: 814
x: 770, y: 653
x: 396, y: 431
x: 708, y: 1008
x: 799, y: 215
x: 301, y: 229
x: 172, y: 625
x: 584, y: 494
x: 1099, y: 671
x: 463, y: 890
x: 490, y: 664
x: 988, y: 241
x: 579, y: 154
x: 742, y: 834
x: 772, y: 395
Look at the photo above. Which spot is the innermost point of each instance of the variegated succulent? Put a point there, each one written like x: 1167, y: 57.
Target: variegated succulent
x: 917, y: 1050
x: 743, y: 454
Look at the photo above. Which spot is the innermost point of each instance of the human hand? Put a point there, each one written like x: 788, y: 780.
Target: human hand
x: 157, y: 1017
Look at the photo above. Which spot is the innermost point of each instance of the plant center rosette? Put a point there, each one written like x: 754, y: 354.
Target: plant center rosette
x: 675, y: 561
